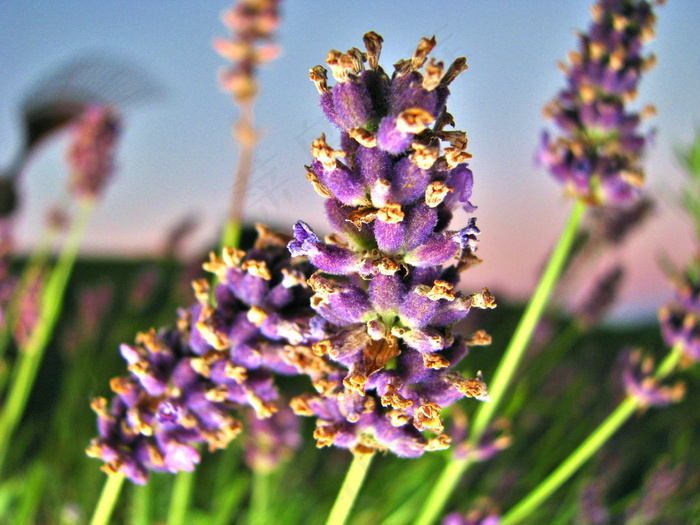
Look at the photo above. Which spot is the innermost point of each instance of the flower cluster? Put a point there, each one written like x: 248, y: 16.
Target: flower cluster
x: 252, y: 23
x: 680, y: 320
x: 29, y: 306
x: 91, y: 155
x: 473, y: 517
x: 598, y: 152
x: 272, y: 440
x: 385, y: 287
x: 640, y: 383
x: 8, y: 282
x: 185, y: 382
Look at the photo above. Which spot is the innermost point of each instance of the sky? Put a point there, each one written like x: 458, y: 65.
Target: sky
x: 177, y: 156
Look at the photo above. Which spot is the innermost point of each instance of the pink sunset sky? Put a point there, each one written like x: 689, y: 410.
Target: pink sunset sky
x: 177, y: 156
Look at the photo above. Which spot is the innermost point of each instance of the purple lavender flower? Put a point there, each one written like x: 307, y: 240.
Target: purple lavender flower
x: 91, y: 155
x: 272, y: 440
x: 93, y: 306
x: 593, y: 510
x: 29, y: 306
x: 601, y: 297
x: 597, y: 156
x: 185, y: 382
x: 8, y: 282
x: 638, y: 379
x: 252, y: 23
x: 661, y: 485
x: 474, y: 517
x: 680, y: 319
x: 385, y: 293
x: 496, y: 438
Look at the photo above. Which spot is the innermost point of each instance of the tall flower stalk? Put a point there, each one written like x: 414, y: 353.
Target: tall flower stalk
x: 90, y: 158
x: 385, y: 289
x: 597, y: 157
x: 252, y: 23
x: 642, y: 393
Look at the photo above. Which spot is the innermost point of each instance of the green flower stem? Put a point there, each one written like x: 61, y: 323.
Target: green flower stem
x: 348, y: 491
x: 455, y: 468
x: 231, y: 236
x: 260, y: 498
x: 589, y: 447
x: 108, y: 498
x: 442, y: 489
x: 526, y: 327
x: 140, y: 504
x: 31, y: 355
x: 180, y: 498
x: 36, y: 261
x: 246, y: 140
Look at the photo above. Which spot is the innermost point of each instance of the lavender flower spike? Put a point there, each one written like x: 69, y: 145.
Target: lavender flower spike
x: 186, y: 383
x: 383, y: 361
x: 680, y: 319
x: 638, y: 379
x: 91, y: 155
x: 597, y: 155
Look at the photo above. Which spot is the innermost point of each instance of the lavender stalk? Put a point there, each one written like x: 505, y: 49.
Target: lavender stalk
x: 631, y: 404
x: 32, y: 353
x: 91, y: 159
x: 597, y: 157
x: 108, y: 499
x: 455, y: 468
x: 349, y: 490
x: 253, y: 23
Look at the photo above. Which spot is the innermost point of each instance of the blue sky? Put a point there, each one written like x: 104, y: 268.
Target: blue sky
x: 177, y: 156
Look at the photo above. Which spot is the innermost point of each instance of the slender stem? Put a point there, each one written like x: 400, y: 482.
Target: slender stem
x: 108, y: 498
x: 348, y: 491
x: 442, y: 490
x: 260, y: 498
x: 589, y: 447
x: 180, y: 497
x: 32, y: 353
x: 455, y: 468
x: 36, y: 261
x: 526, y: 327
x: 246, y: 140
x: 140, y: 509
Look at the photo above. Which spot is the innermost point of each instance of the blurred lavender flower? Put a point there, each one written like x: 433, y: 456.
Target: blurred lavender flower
x: 144, y: 287
x: 61, y: 96
x: 496, y: 438
x: 272, y: 440
x: 659, y: 487
x: 177, y: 236
x: 252, y: 23
x: 680, y: 319
x: 91, y: 154
x: 601, y: 298
x: 592, y: 509
x: 185, y: 382
x: 639, y: 382
x: 598, y: 153
x: 93, y: 306
x: 29, y: 306
x: 8, y: 282
x: 613, y: 224
x: 390, y: 202
x: 473, y: 517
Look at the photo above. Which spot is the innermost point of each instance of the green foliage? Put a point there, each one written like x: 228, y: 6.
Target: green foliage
x: 51, y: 481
